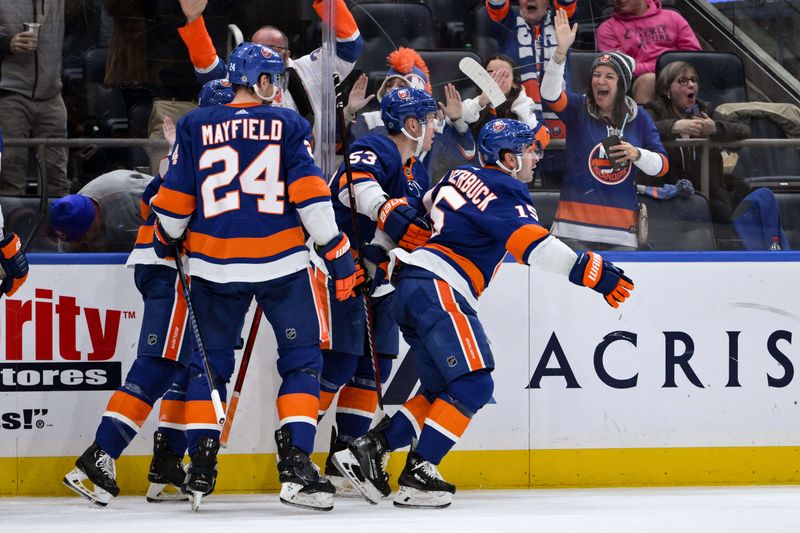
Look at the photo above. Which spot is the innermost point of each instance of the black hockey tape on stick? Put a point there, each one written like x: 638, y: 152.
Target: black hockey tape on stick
x: 215, y: 400
x: 351, y: 193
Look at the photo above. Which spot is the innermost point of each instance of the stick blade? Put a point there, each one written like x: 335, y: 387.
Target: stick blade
x: 474, y: 71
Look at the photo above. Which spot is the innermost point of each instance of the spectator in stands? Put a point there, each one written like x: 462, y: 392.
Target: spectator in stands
x: 30, y: 91
x: 146, y: 50
x: 679, y: 114
x: 453, y: 144
x: 642, y: 30
x: 518, y: 105
x: 609, y: 140
x: 303, y: 91
x: 104, y: 216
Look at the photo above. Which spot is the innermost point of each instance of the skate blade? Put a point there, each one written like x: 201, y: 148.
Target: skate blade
x: 195, y: 498
x: 74, y: 480
x: 344, y: 489
x: 349, y: 466
x: 419, y: 499
x: 313, y: 501
x: 157, y: 493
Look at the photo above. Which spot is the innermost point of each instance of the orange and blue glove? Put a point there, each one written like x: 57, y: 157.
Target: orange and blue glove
x: 345, y: 273
x: 14, y: 264
x: 400, y: 222
x: 590, y: 270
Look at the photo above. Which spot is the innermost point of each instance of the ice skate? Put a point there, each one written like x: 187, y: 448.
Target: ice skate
x: 301, y: 483
x: 422, y: 487
x: 364, y: 464
x: 98, y: 467
x: 166, y: 470
x: 344, y: 489
x: 202, y: 474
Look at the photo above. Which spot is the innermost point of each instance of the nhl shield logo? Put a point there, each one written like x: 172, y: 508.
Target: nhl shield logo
x: 291, y: 334
x: 152, y: 339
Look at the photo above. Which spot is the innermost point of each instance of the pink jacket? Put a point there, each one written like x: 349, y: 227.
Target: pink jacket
x: 645, y: 37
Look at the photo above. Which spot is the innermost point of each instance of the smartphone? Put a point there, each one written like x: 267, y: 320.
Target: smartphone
x: 608, y: 142
x: 693, y: 111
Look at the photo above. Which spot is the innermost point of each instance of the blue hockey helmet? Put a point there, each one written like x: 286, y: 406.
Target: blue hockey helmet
x: 249, y: 61
x: 512, y: 135
x: 404, y: 102
x: 216, y: 92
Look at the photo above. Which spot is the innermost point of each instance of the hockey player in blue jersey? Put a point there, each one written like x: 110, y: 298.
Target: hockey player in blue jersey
x: 388, y: 188
x: 241, y: 188
x: 479, y: 215
x: 159, y: 371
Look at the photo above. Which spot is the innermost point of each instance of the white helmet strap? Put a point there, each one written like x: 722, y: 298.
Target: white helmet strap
x: 419, y: 140
x: 514, y: 171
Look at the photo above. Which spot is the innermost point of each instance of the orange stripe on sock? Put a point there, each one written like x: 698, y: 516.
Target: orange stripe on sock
x: 469, y: 345
x: 172, y: 411
x: 130, y: 407
x: 325, y: 400
x: 418, y: 406
x: 360, y: 399
x: 298, y: 404
x: 201, y: 412
x: 448, y: 417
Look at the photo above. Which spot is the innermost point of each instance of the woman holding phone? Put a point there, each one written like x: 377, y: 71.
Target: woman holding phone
x: 609, y: 140
x: 679, y: 113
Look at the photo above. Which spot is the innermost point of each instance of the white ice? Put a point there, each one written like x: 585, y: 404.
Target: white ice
x: 651, y: 510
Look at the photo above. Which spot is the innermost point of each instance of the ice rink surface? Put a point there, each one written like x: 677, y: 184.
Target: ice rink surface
x: 651, y: 510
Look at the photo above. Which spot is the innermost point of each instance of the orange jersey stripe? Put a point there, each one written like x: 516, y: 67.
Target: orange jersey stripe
x: 468, y: 343
x: 246, y: 247
x: 323, y: 303
x: 356, y: 176
x: 522, y: 238
x: 448, y: 417
x: 359, y: 399
x: 596, y: 215
x: 344, y: 25
x: 177, y: 324
x: 298, y: 404
x: 172, y: 411
x: 175, y: 201
x: 201, y: 49
x: 472, y: 271
x: 144, y: 235
x: 418, y: 406
x: 664, y: 165
x: 201, y: 412
x: 560, y: 104
x: 130, y: 407
x: 308, y: 188
x: 325, y: 400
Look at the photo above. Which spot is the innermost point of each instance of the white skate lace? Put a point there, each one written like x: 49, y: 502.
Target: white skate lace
x: 106, y: 465
x: 429, y: 469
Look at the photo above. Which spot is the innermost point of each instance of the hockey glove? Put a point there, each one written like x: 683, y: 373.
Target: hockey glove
x: 602, y: 276
x: 376, y: 262
x: 401, y: 223
x: 164, y: 245
x: 345, y: 273
x: 14, y: 264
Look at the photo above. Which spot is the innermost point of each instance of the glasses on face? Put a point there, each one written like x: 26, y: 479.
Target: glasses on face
x: 683, y: 81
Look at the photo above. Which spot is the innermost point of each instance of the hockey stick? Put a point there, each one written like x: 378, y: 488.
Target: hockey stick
x: 218, y: 410
x: 41, y: 214
x: 351, y: 194
x: 474, y: 71
x: 233, y: 401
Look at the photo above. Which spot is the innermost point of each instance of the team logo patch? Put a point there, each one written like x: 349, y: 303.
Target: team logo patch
x: 152, y: 339
x: 291, y: 334
x: 605, y: 58
x: 452, y: 361
x: 403, y: 94
x: 601, y: 169
x: 225, y: 83
x: 499, y: 126
x: 266, y: 52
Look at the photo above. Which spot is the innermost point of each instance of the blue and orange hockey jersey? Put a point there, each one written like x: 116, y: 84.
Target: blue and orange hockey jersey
x: 478, y: 215
x: 375, y: 160
x: 239, y: 175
